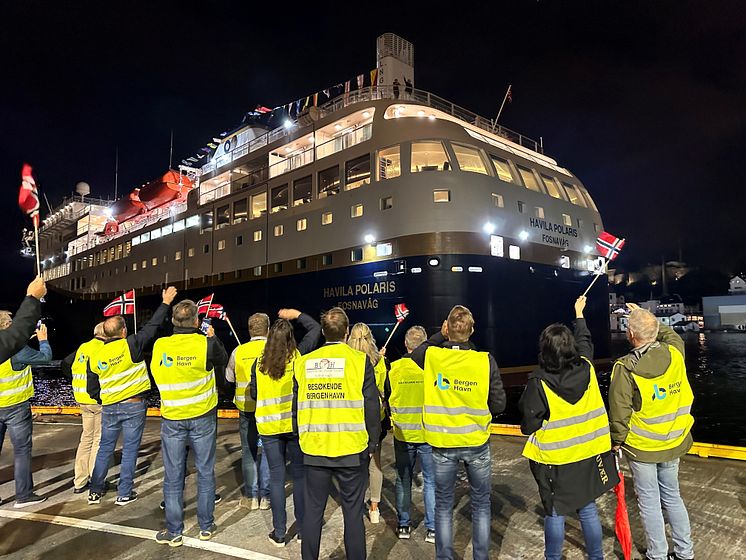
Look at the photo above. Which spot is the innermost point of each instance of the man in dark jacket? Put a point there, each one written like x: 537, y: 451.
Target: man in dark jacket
x: 14, y: 337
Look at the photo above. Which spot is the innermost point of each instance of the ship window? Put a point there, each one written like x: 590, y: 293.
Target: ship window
x: 521, y: 207
x: 591, y: 203
x: 206, y: 223
x: 326, y: 260
x: 223, y: 216
x: 469, y: 159
x: 356, y: 210
x: 302, y: 191
x: 279, y: 198
x: 441, y: 195
x: 144, y: 264
x: 277, y: 267
x: 221, y: 244
x: 514, y: 252
x: 193, y: 221
x: 327, y: 218
x: 257, y: 271
x: 154, y: 261
x: 177, y: 256
x: 236, y: 274
x: 279, y: 230
x: 300, y: 264
x: 529, y: 179
x: 389, y: 163
x: 145, y: 237
x: 329, y: 182
x: 574, y: 194
x: 136, y: 240
x: 356, y: 254
x: 564, y: 261
x: 166, y: 230
x: 178, y: 225
x: 497, y: 200
x: 566, y: 219
x: 111, y: 254
x: 503, y: 170
x: 240, y: 211
x: 384, y: 249
x: 596, y: 227
x: 190, y: 252
x: 100, y: 258
x: 539, y: 212
x: 118, y: 254
x: 429, y: 156
x: 258, y: 204
x: 258, y: 235
x: 155, y: 234
x: 301, y: 224
x: 387, y: 202
x: 551, y: 185
x: 206, y: 248
x: 165, y: 259
x: 357, y: 172
x: 239, y: 240
x: 496, y: 246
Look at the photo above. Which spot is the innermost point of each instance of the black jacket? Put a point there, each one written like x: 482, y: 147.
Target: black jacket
x: 16, y: 336
x: 66, y: 365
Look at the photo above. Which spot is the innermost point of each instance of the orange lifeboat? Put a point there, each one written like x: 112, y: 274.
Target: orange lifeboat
x: 127, y: 208
x: 171, y: 186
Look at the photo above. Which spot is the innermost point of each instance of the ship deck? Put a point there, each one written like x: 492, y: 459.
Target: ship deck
x: 66, y: 527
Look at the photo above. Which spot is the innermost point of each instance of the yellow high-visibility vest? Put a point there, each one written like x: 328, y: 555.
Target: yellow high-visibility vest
x: 274, y: 401
x: 456, y: 386
x: 331, y: 406
x: 406, y: 400
x: 245, y: 356
x: 119, y: 377
x: 179, y: 368
x: 574, y: 431
x: 380, y: 371
x: 86, y: 352
x: 665, y: 419
x: 16, y: 386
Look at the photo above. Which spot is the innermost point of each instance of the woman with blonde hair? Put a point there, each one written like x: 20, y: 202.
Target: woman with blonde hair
x: 361, y: 338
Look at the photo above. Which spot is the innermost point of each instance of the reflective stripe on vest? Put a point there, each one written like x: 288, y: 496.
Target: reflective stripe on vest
x: 119, y: 377
x: 456, y: 390
x: 274, y: 401
x: 245, y: 356
x: 15, y: 386
x: 86, y: 352
x: 187, y: 389
x: 406, y: 400
x: 331, y: 407
x: 575, y: 431
x: 665, y: 419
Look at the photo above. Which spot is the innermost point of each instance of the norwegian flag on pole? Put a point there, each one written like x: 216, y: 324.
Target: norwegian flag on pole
x: 123, y: 305
x: 216, y: 311
x: 28, y: 196
x: 203, y: 305
x: 608, y: 245
x: 401, y: 312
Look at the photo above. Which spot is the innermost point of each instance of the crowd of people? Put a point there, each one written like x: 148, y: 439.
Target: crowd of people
x: 325, y: 407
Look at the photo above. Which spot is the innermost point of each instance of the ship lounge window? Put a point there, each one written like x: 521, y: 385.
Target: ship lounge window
x: 301, y: 224
x: 469, y: 159
x: 258, y: 204
x: 279, y: 198
x: 502, y: 168
x: 258, y: 235
x: 357, y: 172
x: 279, y: 230
x: 144, y: 264
x: 387, y: 202
x: 329, y: 182
x: 118, y: 254
x: 192, y: 221
x: 302, y: 191
x: 521, y: 207
x: 529, y: 179
x: 539, y: 212
x: 221, y: 244
x: 136, y: 240
x: 326, y: 260
x: 154, y: 261
x: 356, y: 254
x: 177, y: 256
x: 514, y: 252
x: 441, y: 195
x: 588, y: 198
x: 239, y: 240
x: 550, y: 183
x: 190, y: 252
x: 497, y: 200
x: 327, y: 218
x: 356, y: 210
x: 167, y: 230
x: 389, y: 163
x: 574, y: 194
x: 111, y: 254
x: 206, y: 223
x: 566, y: 219
x: 300, y: 264
x: 178, y: 225
x: 145, y: 237
x: 240, y: 211
x: 257, y: 271
x: 429, y: 156
x: 134, y: 266
x: 223, y: 216
x: 155, y: 234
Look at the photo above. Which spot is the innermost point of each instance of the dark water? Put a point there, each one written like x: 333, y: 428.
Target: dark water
x: 716, y: 364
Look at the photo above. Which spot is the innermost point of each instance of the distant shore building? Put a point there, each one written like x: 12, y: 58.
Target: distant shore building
x: 729, y: 311
x: 737, y: 286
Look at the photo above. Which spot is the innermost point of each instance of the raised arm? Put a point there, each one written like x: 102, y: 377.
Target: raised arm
x: 15, y: 337
x: 140, y: 340
x: 311, y: 339
x: 582, y: 334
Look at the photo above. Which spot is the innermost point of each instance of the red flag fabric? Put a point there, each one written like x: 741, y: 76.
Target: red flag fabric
x: 609, y: 245
x: 401, y: 312
x: 621, y: 522
x: 216, y: 311
x: 203, y: 305
x: 123, y: 305
x: 28, y: 196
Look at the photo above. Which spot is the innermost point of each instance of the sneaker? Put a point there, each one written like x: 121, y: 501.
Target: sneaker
x: 164, y: 537
x: 375, y: 516
x: 280, y: 543
x: 299, y: 536
x: 124, y: 500
x: 206, y: 535
x: 82, y: 489
x: 264, y: 504
x: 218, y: 499
x: 430, y: 536
x: 31, y: 500
x: 254, y: 503
x: 94, y: 498
x: 403, y: 532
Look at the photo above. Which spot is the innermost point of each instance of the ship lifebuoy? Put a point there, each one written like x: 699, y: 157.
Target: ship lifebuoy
x: 227, y: 146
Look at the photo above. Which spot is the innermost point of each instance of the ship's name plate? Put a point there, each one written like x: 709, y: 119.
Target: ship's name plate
x: 552, y: 233
x: 365, y: 294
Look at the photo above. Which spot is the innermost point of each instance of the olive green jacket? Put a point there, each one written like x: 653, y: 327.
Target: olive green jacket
x: 649, y: 361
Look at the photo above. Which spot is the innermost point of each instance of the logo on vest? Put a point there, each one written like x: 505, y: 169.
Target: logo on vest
x: 166, y: 360
x: 81, y: 359
x: 103, y: 366
x: 442, y: 383
x: 658, y: 392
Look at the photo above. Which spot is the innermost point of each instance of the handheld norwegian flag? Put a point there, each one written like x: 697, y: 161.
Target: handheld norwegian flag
x: 203, y: 305
x: 401, y: 312
x: 216, y: 311
x: 608, y: 245
x: 123, y: 305
x: 28, y: 196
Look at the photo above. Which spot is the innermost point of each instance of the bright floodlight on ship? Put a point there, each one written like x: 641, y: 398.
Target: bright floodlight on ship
x: 288, y: 123
x: 420, y: 113
x: 431, y: 117
x: 587, y: 249
x: 433, y: 262
x: 523, y: 235
x: 366, y: 114
x: 369, y: 238
x: 108, y: 213
x: 489, y: 228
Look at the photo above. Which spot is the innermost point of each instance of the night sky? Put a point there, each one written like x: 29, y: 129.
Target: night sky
x: 644, y: 101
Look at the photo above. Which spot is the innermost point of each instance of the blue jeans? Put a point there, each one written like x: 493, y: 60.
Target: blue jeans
x: 478, y: 470
x: 276, y: 450
x: 127, y: 418
x: 255, y: 480
x: 657, y: 488
x: 406, y: 455
x: 16, y: 420
x: 554, y: 533
x: 200, y: 434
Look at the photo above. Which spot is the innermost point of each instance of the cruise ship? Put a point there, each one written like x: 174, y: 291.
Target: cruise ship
x: 381, y: 194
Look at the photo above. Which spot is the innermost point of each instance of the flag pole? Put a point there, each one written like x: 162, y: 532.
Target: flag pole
x: 227, y: 320
x: 603, y: 271
x: 134, y: 309
x: 36, y: 239
x: 507, y: 92
x: 392, y: 334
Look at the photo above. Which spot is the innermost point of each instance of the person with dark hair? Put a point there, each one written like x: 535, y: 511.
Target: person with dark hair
x: 569, y: 447
x: 272, y: 389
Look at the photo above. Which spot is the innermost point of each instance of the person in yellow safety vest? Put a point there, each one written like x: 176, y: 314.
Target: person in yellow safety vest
x: 462, y: 392
x: 118, y: 379
x: 255, y: 490
x: 338, y: 418
x: 569, y: 448
x: 75, y: 368
x: 272, y: 389
x: 22, y: 328
x: 16, y: 390
x: 183, y: 367
x: 362, y: 339
x: 405, y: 395
x: 650, y: 402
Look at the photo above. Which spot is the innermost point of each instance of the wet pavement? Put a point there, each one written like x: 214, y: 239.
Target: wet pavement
x: 66, y: 527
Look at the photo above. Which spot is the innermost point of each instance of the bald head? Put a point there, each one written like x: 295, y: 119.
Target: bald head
x: 115, y: 327
x: 415, y: 336
x: 642, y: 327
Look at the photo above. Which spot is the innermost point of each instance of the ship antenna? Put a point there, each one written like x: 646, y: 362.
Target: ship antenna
x: 116, y: 172
x: 171, y: 150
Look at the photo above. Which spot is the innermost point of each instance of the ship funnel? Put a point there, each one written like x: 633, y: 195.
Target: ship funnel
x: 394, y: 60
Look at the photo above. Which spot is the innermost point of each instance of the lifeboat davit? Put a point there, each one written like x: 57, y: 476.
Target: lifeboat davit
x: 171, y: 186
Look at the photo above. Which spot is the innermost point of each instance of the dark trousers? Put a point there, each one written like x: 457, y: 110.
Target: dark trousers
x: 277, y: 449
x: 352, y: 482
x: 16, y: 420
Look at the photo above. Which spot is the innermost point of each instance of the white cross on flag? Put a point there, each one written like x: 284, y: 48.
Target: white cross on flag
x: 401, y: 312
x: 203, y: 305
x: 123, y: 305
x: 609, y: 245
